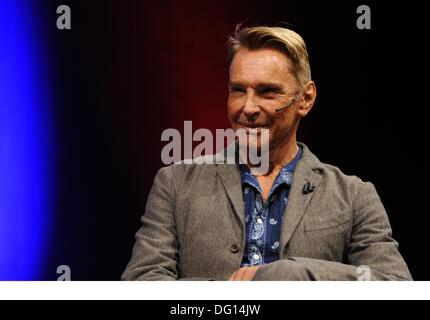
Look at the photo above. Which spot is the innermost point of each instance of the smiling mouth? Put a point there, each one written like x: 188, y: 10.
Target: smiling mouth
x: 253, y: 129
x: 253, y: 126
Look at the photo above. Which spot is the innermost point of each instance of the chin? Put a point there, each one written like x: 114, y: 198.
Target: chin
x: 257, y: 145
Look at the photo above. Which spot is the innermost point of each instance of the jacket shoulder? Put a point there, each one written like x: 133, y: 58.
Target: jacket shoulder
x: 181, y: 173
x: 350, y: 186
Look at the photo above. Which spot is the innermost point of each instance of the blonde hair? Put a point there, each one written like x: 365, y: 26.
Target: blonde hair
x: 285, y: 40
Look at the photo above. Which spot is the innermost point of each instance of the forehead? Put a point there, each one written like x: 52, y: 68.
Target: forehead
x: 263, y: 65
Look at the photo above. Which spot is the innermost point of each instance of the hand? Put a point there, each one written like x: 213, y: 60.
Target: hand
x: 244, y: 274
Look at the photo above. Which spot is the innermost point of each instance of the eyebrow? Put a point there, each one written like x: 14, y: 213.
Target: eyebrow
x: 264, y: 85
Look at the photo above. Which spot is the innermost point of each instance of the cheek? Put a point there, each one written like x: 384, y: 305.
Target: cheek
x: 282, y: 125
x: 234, y: 108
x: 275, y: 122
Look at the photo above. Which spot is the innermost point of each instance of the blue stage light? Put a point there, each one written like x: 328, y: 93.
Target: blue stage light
x: 26, y: 150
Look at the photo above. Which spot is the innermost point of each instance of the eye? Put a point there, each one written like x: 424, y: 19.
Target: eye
x: 237, y: 92
x: 237, y: 89
x: 268, y: 92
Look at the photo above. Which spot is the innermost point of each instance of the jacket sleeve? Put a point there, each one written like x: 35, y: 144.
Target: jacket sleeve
x: 372, y: 253
x: 155, y: 252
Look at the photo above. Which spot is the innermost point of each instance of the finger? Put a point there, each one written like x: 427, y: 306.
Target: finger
x: 237, y: 275
x: 252, y: 273
x: 247, y: 274
x: 243, y: 273
x: 233, y: 276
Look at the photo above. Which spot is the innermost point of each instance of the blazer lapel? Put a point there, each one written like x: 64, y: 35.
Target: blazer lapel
x: 298, y: 201
x: 230, y: 178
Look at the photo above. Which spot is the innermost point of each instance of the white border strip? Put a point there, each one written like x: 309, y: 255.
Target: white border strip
x: 223, y: 290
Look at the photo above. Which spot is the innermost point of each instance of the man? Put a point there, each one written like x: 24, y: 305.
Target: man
x: 303, y: 220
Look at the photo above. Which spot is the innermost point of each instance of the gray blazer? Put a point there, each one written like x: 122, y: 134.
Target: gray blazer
x: 194, y: 228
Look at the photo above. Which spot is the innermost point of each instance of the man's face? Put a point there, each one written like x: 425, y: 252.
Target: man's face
x: 261, y: 81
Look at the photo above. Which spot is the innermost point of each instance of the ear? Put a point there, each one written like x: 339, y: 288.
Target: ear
x: 307, y: 99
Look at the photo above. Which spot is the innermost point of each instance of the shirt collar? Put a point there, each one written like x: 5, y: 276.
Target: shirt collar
x: 284, y: 176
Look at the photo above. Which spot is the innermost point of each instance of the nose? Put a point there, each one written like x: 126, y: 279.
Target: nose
x: 250, y: 107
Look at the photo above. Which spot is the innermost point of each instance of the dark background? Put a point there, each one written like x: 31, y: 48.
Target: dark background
x: 127, y: 70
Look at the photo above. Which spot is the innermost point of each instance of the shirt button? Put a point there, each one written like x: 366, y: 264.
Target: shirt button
x: 256, y: 257
x: 259, y: 221
x: 234, y: 248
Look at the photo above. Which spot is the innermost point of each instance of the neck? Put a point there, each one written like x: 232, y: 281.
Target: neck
x: 282, y: 154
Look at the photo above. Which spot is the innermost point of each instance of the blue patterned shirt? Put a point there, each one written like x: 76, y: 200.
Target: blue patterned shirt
x: 264, y: 220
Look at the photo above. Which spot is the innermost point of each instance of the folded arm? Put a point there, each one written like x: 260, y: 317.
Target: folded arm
x: 371, y: 247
